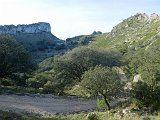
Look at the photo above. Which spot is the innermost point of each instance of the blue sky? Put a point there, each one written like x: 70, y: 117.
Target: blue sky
x: 70, y: 18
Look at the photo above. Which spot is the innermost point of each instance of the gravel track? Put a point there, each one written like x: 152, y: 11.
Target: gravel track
x: 45, y: 104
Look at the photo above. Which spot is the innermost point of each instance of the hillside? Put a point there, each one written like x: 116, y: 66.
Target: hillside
x: 40, y: 45
x: 81, y: 40
x: 135, y: 32
x: 137, y: 39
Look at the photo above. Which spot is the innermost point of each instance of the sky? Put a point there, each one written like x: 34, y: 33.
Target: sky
x: 69, y: 18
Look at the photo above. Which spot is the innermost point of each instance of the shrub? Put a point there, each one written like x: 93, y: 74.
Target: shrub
x: 92, y: 116
x: 48, y: 87
x: 38, y: 80
x: 101, y: 104
x: 146, y: 96
x: 6, y: 82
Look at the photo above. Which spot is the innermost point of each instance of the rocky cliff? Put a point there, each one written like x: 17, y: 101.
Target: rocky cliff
x: 30, y: 28
x: 36, y: 38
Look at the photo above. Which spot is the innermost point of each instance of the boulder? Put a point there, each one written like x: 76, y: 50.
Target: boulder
x: 137, y: 78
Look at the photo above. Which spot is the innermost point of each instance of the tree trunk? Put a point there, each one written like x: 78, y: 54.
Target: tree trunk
x: 106, y: 101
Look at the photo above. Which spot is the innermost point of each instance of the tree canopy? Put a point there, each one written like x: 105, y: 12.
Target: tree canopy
x: 72, y: 65
x: 13, y: 57
x: 102, y: 81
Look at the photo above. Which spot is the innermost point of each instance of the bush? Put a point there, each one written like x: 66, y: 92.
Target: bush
x: 19, y: 79
x: 48, y: 87
x: 52, y: 87
x: 146, y: 96
x: 32, y: 82
x: 38, y: 80
x: 92, y: 116
x: 101, y: 104
x: 6, y: 82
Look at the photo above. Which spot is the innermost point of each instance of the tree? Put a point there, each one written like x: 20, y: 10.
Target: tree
x: 102, y: 81
x: 13, y: 57
x: 81, y: 59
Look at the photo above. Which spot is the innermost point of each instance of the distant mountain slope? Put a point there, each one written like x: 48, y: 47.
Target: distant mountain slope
x: 36, y: 38
x: 81, y: 40
x: 138, y: 31
x: 41, y: 45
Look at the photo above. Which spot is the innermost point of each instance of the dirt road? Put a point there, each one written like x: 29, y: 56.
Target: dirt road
x: 48, y: 104
x: 45, y: 104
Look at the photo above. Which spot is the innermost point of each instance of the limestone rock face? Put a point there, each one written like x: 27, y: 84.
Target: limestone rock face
x: 137, y: 78
x: 154, y: 16
x: 142, y: 17
x: 30, y: 28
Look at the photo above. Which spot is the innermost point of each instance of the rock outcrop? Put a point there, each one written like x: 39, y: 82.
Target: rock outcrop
x: 36, y: 38
x: 30, y: 28
x: 137, y: 78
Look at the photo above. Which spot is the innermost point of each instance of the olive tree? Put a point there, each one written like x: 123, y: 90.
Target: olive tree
x: 102, y: 81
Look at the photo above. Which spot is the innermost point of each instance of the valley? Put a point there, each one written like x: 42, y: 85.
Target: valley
x: 90, y: 77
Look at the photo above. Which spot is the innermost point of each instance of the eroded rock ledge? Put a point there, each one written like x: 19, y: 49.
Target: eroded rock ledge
x: 29, y: 28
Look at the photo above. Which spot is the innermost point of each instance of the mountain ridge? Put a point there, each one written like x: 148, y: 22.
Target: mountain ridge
x: 26, y: 28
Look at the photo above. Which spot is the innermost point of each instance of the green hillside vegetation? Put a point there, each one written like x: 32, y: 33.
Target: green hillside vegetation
x: 66, y: 70
x: 132, y: 45
x: 37, y: 41
x: 40, y: 45
x: 81, y: 40
x: 137, y: 31
x: 138, y: 39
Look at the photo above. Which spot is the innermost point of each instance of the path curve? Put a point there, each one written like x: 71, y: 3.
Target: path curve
x: 48, y: 104
x: 45, y: 104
